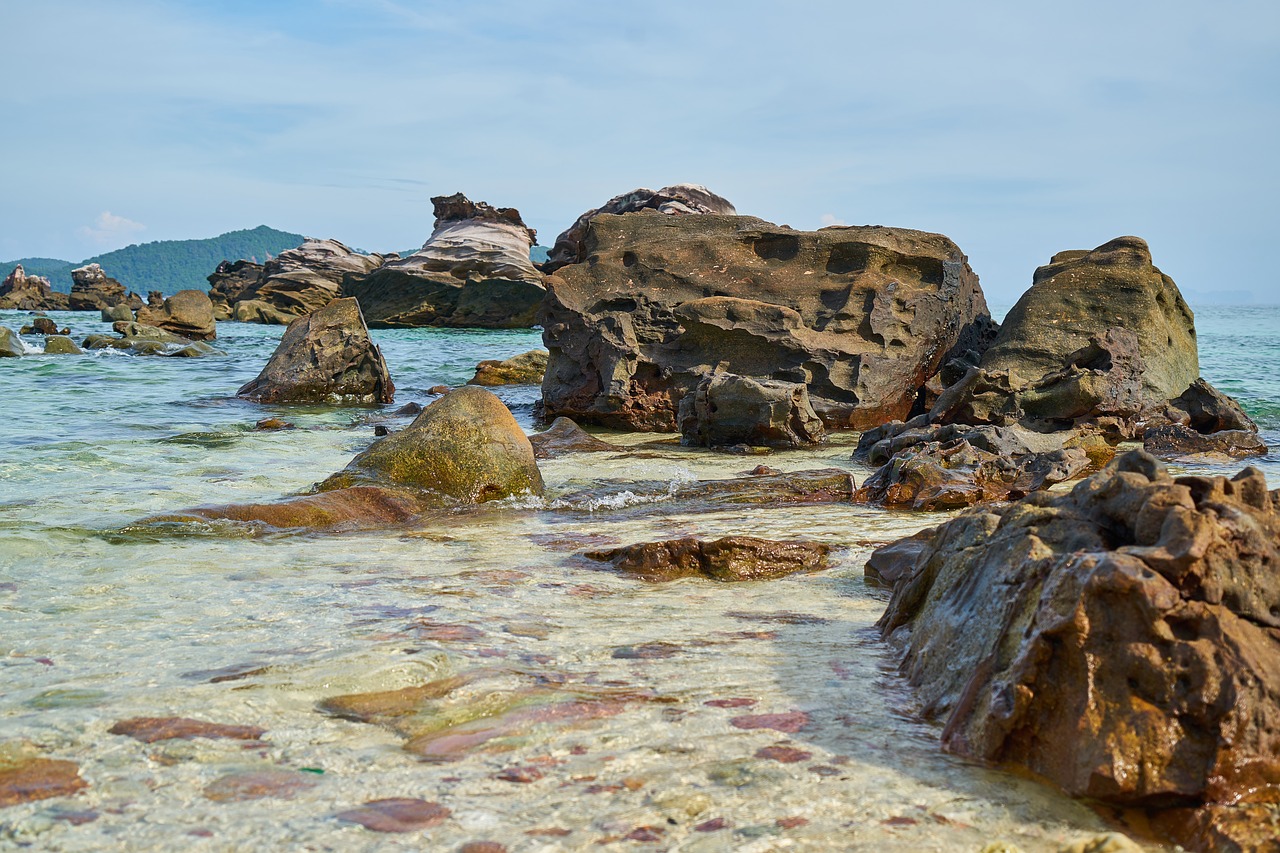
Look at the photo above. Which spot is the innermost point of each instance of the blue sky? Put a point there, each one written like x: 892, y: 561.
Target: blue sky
x: 1018, y: 129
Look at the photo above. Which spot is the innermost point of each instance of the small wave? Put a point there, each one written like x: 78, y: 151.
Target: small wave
x: 617, y: 500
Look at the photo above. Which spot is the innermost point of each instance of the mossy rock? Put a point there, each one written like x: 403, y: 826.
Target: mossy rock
x: 60, y: 345
x: 465, y: 447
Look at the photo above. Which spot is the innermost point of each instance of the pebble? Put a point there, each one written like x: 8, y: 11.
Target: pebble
x: 523, y: 775
x: 152, y: 729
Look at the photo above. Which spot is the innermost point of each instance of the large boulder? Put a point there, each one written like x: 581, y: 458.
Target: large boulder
x: 726, y: 409
x: 675, y: 200
x: 23, y: 292
x: 466, y: 447
x: 474, y: 270
x: 228, y: 283
x: 324, y: 357
x: 1121, y: 640
x: 188, y: 313
x: 93, y: 290
x: 298, y: 281
x: 863, y: 316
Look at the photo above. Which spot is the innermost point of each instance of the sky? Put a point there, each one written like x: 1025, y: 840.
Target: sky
x: 1018, y: 129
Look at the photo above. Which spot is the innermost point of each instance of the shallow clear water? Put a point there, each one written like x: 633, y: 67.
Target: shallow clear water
x: 598, y: 681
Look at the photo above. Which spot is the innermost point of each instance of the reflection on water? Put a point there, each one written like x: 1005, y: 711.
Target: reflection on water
x: 569, y: 707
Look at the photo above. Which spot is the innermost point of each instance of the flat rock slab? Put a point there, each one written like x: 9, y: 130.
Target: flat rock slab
x: 397, y: 814
x: 732, y: 558
x: 39, y: 779
x: 259, y: 785
x: 152, y: 729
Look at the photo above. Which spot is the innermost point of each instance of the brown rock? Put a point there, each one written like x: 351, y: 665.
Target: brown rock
x: 40, y: 326
x: 23, y: 292
x: 229, y: 283
x: 732, y: 558
x: 675, y: 200
x: 31, y: 778
x: 299, y: 281
x: 396, y: 814
x: 1169, y: 582
x: 259, y: 784
x: 525, y: 369
x: 474, y: 270
x: 783, y: 754
x: 152, y: 729
x: 726, y: 409
x: 1173, y: 441
x: 93, y: 290
x: 861, y: 316
x: 564, y: 437
x: 188, y: 313
x: 789, y: 722
x: 324, y: 357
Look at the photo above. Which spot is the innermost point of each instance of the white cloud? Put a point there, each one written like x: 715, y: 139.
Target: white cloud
x: 109, y: 228
x: 831, y: 219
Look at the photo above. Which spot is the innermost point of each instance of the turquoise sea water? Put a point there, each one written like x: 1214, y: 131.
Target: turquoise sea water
x: 98, y: 626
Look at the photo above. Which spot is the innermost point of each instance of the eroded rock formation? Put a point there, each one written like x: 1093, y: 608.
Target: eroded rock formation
x: 726, y: 410
x: 93, y: 290
x: 23, y: 292
x: 188, y: 314
x: 228, y: 284
x: 1121, y: 640
x: 474, y: 270
x: 297, y: 282
x: 863, y: 316
x: 676, y: 200
x: 324, y: 357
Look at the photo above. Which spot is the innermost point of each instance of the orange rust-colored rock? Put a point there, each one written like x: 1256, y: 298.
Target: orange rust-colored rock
x: 38, y: 779
x: 731, y: 558
x: 152, y: 729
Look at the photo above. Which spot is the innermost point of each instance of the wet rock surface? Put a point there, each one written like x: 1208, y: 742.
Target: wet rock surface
x: 726, y: 410
x: 297, y: 282
x: 325, y: 357
x: 1173, y: 441
x: 564, y: 437
x: 732, y: 558
x: 140, y: 339
x: 27, y: 776
x: 1171, y: 581
x: 23, y: 292
x: 863, y: 316
x: 188, y: 314
x: 524, y: 369
x: 474, y: 270
x: 675, y: 200
x: 152, y: 729
x: 10, y: 345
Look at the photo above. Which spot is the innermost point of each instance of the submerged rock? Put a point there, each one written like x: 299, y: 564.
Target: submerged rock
x: 93, y: 290
x: 23, y: 292
x: 474, y: 270
x: 188, y: 313
x: 27, y: 778
x: 152, y: 729
x: 324, y: 357
x: 861, y: 316
x: 564, y: 437
x: 149, y: 340
x: 1169, y: 582
x: 524, y: 369
x: 677, y: 199
x: 397, y: 814
x: 298, y: 281
x: 732, y: 558
x: 726, y: 409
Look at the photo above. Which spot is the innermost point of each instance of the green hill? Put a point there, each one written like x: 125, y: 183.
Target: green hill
x: 166, y: 265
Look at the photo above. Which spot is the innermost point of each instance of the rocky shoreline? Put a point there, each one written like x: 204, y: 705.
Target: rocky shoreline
x: 1117, y: 637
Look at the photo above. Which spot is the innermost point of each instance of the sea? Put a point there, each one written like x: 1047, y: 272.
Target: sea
x: 571, y: 708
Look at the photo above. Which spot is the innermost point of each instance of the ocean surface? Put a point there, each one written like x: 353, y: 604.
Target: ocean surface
x: 588, y: 711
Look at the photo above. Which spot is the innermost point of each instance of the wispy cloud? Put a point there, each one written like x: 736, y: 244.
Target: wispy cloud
x: 109, y: 229
x: 830, y: 219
